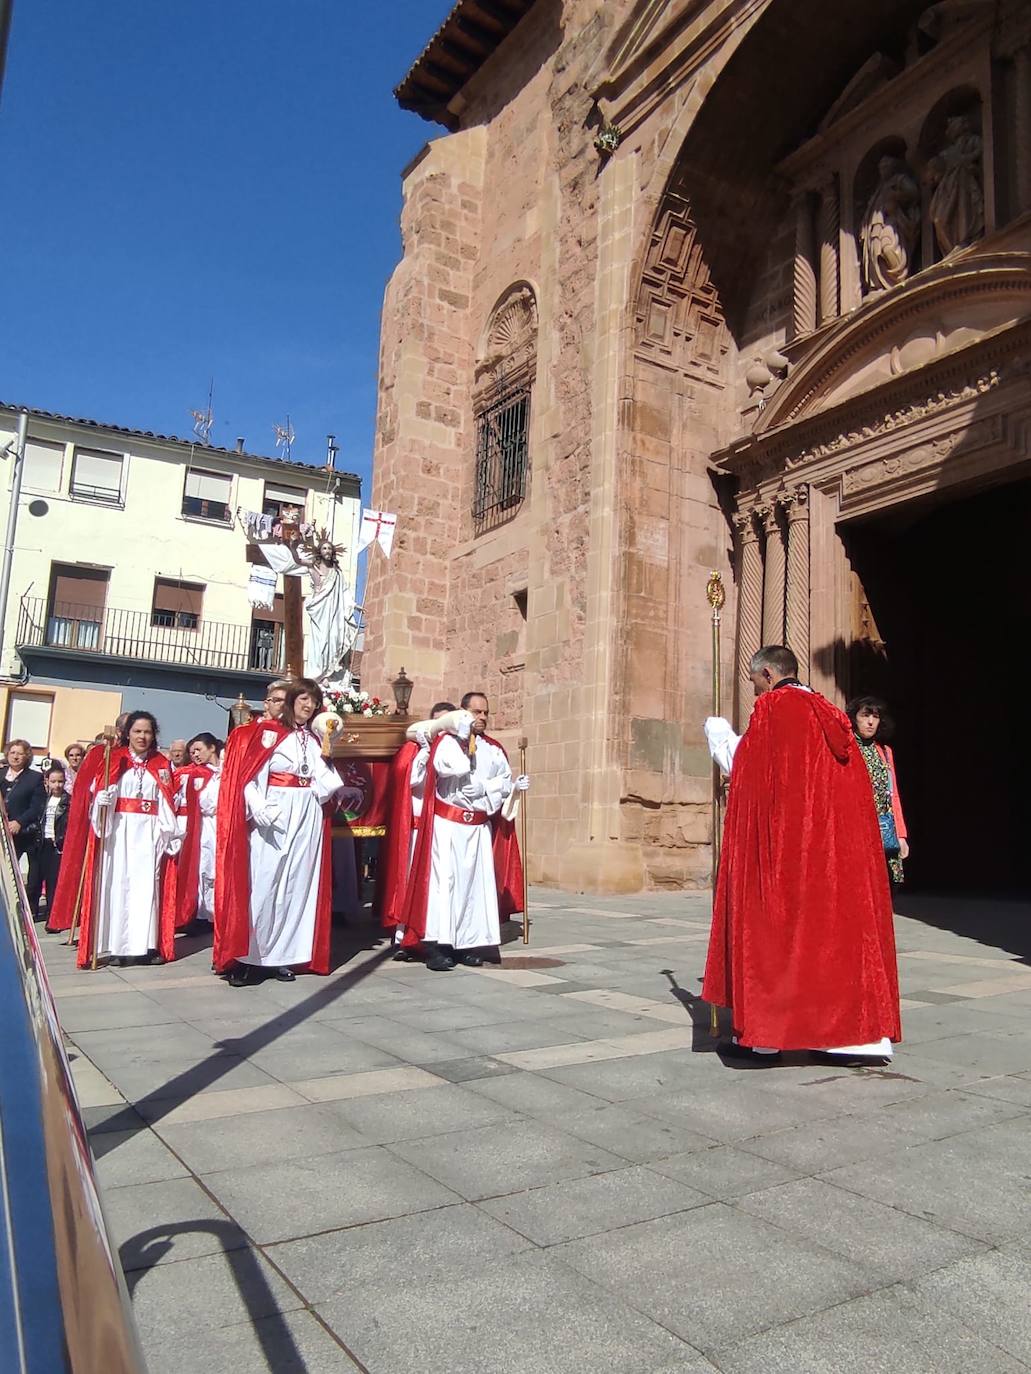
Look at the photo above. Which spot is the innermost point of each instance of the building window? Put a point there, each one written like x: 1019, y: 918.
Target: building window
x: 266, y: 647
x: 505, y: 368
x: 502, y: 448
x: 97, y: 477
x: 277, y: 497
x: 75, y: 614
x: 28, y: 717
x: 43, y: 463
x: 206, y: 496
x: 177, y: 605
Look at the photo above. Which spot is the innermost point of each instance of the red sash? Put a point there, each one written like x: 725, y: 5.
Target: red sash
x: 137, y: 806
x: 287, y: 780
x: 447, y: 812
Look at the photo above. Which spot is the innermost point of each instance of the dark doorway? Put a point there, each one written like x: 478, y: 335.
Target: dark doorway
x: 947, y: 589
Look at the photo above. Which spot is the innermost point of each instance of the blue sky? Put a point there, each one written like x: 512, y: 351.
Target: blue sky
x: 206, y: 188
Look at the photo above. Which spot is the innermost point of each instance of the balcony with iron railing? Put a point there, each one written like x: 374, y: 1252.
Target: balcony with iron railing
x: 179, y: 638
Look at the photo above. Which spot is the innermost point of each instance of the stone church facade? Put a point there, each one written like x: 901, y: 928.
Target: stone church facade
x: 694, y: 285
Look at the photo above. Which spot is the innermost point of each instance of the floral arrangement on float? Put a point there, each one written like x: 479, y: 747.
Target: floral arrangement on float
x: 349, y: 702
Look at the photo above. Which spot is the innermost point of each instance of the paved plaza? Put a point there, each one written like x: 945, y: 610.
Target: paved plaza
x: 545, y: 1167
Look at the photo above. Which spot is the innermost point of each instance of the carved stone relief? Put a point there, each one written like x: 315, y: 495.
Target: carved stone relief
x: 956, y: 173
x: 891, y: 226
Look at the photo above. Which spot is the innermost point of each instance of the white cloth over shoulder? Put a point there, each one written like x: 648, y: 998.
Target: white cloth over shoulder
x: 722, y: 742
x: 208, y: 803
x: 286, y: 856
x: 462, y: 909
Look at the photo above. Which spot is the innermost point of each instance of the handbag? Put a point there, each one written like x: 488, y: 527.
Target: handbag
x: 889, y: 836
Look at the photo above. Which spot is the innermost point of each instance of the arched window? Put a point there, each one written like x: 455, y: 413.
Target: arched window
x: 505, y: 371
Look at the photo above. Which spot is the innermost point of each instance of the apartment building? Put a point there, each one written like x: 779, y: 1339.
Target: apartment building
x: 130, y: 571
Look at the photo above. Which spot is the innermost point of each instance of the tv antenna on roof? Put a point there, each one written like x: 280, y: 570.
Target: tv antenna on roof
x: 285, y: 437
x: 204, y: 419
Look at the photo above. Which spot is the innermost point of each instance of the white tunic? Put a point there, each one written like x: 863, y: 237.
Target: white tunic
x: 208, y: 803
x: 462, y: 908
x: 286, y: 858
x: 130, y: 888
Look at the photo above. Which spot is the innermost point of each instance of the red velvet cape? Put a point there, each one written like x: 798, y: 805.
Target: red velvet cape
x: 245, y: 755
x: 180, y: 886
x: 61, y: 910
x: 802, y: 947
x: 156, y: 765
x: 396, y: 849
x: 508, y: 866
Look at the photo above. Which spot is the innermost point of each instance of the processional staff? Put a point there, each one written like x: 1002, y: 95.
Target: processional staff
x: 716, y: 597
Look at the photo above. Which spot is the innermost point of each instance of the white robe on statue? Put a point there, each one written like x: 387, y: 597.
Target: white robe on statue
x: 331, y: 631
x: 462, y: 908
x: 208, y: 803
x: 286, y: 856
x: 134, y: 845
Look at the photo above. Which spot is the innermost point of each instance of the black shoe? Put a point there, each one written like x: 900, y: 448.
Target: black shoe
x: 404, y: 956
x: 153, y: 958
x: 242, y: 976
x: 195, y: 927
x: 743, y: 1055
x: 286, y: 975
x: 850, y: 1061
x: 440, y: 962
x: 469, y: 960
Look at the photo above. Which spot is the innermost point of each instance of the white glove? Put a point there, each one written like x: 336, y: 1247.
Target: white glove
x: 350, y: 797
x: 106, y: 796
x: 422, y: 739
x: 174, y: 847
x: 474, y: 788
x: 464, y: 727
x: 265, y: 817
x: 521, y: 783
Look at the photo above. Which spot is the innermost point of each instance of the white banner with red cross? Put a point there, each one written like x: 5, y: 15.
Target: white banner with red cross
x: 377, y: 527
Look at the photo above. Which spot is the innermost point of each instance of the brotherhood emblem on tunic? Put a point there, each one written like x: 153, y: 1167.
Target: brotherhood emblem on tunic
x: 467, y: 816
x: 198, y: 783
x: 147, y: 806
x: 164, y: 775
x: 268, y: 738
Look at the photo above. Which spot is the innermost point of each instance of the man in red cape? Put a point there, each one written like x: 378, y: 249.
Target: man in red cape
x: 802, y: 948
x: 160, y: 770
x: 71, y: 880
x: 246, y: 751
x: 477, y: 777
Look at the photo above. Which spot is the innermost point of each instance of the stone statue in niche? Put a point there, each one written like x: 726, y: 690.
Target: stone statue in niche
x: 891, y: 226
x: 957, y: 203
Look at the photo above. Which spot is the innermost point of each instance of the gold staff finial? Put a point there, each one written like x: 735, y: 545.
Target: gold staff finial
x: 714, y: 592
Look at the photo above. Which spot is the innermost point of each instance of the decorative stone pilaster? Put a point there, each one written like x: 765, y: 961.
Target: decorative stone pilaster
x: 749, y: 603
x: 1022, y: 141
x: 830, y: 227
x: 773, y: 577
x: 804, y: 319
x: 798, y: 588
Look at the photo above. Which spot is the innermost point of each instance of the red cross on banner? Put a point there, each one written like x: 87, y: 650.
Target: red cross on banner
x: 377, y: 527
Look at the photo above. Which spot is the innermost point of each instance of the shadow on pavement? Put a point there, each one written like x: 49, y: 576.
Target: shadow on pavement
x: 1000, y: 922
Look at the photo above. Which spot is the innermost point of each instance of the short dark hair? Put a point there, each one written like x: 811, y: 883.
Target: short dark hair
x: 205, y: 737
x: 301, y: 688
x: 469, y: 696
x: 441, y: 706
x: 131, y: 720
x: 55, y: 768
x: 887, y: 726
x: 775, y: 656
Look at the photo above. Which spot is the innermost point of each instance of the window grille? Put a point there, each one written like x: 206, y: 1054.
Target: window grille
x: 502, y: 459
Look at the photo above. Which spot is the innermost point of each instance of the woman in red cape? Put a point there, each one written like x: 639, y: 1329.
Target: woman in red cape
x: 71, y: 882
x: 140, y: 827
x: 248, y: 753
x: 802, y: 947
x: 181, y: 885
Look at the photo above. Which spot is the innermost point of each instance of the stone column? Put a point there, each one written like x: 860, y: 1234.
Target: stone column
x: 749, y: 605
x: 773, y: 578
x: 798, y: 591
x: 830, y: 228
x: 1022, y: 141
x: 805, y: 274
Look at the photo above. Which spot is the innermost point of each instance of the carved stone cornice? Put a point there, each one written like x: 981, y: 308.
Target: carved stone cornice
x: 882, y: 472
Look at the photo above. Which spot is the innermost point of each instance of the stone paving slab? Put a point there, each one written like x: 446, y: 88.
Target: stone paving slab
x: 536, y: 1170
